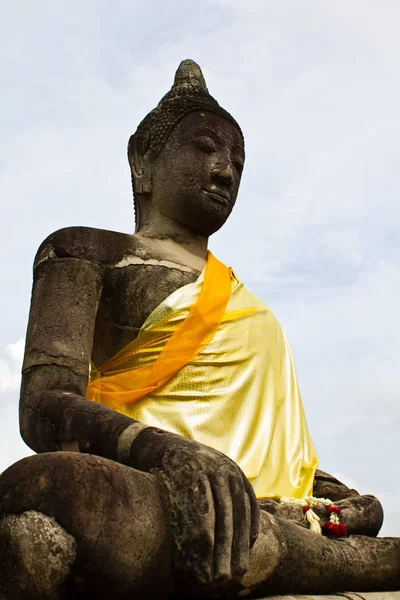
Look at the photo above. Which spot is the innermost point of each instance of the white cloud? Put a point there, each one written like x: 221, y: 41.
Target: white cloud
x: 16, y: 351
x: 10, y: 366
x: 12, y: 448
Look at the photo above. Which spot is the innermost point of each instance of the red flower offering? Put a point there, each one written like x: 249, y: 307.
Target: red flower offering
x: 341, y: 530
x: 330, y: 529
x: 334, y: 509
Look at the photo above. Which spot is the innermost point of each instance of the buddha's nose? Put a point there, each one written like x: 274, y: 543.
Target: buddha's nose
x: 224, y: 175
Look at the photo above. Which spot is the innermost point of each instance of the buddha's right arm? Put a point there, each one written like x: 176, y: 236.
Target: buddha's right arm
x: 54, y: 414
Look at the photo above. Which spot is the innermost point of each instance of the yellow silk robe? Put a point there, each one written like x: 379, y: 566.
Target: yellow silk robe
x: 239, y: 394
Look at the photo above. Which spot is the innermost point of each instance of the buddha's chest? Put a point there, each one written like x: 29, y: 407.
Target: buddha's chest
x: 130, y: 294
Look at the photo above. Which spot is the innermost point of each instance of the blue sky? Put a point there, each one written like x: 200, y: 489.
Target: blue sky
x: 315, y: 88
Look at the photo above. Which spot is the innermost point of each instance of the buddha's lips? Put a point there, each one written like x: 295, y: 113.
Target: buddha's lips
x: 219, y: 196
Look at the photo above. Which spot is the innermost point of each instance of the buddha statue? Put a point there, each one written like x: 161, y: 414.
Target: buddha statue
x: 173, y: 455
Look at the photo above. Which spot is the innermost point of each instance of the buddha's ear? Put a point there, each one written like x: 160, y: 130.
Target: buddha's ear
x: 138, y: 156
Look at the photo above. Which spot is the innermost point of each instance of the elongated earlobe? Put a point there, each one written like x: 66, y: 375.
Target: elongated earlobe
x: 138, y: 156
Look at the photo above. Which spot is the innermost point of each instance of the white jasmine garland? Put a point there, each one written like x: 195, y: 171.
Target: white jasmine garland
x: 331, y: 527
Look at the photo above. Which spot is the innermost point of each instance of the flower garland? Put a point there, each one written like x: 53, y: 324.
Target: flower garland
x: 332, y: 528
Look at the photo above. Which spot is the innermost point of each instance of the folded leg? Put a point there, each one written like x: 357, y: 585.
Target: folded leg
x: 314, y: 564
x: 114, y: 513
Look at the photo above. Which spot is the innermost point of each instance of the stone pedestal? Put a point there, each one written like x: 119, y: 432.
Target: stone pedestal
x: 348, y: 595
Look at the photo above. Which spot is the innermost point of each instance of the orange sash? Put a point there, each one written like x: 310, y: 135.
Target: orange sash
x: 118, y: 384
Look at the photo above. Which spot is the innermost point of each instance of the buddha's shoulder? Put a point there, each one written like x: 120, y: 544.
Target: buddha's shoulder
x: 87, y: 243
x: 243, y: 297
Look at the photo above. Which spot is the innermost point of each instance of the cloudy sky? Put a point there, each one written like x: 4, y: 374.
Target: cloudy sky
x: 315, y: 86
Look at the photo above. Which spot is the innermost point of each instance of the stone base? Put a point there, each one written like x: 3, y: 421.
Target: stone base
x: 348, y: 595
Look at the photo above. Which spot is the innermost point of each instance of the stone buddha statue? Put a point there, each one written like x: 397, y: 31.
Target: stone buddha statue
x: 173, y: 455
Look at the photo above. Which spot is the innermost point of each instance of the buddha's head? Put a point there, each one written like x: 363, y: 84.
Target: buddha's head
x: 186, y: 158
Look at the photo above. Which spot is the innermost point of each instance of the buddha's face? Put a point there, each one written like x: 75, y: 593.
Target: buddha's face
x: 195, y: 179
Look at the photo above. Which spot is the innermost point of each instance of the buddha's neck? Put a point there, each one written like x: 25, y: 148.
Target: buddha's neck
x: 176, y: 248
x: 159, y: 232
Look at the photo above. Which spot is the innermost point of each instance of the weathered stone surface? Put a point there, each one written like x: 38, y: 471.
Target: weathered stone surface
x: 312, y: 563
x: 36, y: 557
x: 114, y: 513
x: 179, y: 466
x: 72, y: 278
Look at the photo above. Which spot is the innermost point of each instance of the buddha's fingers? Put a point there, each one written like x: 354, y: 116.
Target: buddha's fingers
x: 204, y: 502
x: 223, y: 506
x: 203, y: 533
x: 254, y: 510
x: 241, y: 528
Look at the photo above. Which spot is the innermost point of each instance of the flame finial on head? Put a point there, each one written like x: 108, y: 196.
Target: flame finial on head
x: 189, y: 75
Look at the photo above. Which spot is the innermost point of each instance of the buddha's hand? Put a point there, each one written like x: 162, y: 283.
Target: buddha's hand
x: 213, y: 510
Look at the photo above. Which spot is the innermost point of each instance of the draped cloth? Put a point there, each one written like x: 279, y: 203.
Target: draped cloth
x: 211, y: 363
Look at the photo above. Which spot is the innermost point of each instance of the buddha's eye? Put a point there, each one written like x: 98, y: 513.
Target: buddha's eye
x: 206, y: 144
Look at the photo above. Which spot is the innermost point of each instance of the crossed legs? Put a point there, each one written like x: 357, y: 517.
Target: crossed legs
x: 116, y: 519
